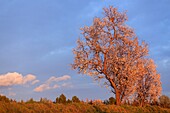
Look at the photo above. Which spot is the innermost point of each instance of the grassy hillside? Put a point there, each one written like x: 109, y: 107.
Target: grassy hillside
x: 49, y: 107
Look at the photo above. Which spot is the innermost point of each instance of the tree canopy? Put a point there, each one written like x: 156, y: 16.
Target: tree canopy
x: 110, y: 50
x: 61, y: 99
x: 75, y: 99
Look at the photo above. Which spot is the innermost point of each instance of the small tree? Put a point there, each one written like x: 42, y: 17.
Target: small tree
x: 110, y: 50
x: 148, y: 86
x: 4, y: 99
x: 41, y: 99
x: 22, y: 101
x: 57, y: 100
x: 112, y: 100
x: 106, y: 102
x: 164, y: 101
x: 44, y: 100
x: 31, y: 100
x: 61, y: 99
x: 69, y: 101
x: 75, y: 99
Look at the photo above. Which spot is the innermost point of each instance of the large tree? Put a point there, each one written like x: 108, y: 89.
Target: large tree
x: 110, y: 50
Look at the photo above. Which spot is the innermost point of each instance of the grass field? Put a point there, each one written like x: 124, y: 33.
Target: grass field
x: 49, y: 107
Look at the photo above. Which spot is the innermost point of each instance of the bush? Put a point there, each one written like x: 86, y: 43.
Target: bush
x: 75, y: 99
x: 61, y: 99
x: 31, y: 100
x: 69, y: 101
x: 4, y: 98
x: 112, y: 100
x: 106, y: 102
x: 164, y: 101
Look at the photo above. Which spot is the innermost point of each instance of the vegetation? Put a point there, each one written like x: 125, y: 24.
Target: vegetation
x: 164, y: 101
x: 112, y: 100
x: 47, y: 106
x: 75, y: 99
x: 61, y: 99
x: 110, y: 50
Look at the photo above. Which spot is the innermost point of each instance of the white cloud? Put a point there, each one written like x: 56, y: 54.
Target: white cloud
x: 57, y: 79
x: 42, y: 87
x: 34, y: 82
x: 15, y: 78
x: 46, y: 85
x: 28, y: 78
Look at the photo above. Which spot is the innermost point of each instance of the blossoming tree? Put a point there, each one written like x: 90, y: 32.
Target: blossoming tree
x: 109, y: 49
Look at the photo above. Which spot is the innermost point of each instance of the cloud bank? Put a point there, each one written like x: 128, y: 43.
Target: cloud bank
x: 47, y: 85
x: 15, y: 78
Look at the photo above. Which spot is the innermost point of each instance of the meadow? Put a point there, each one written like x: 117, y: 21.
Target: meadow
x: 47, y: 106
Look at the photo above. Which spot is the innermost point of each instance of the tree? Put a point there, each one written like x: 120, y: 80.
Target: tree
x: 31, y: 100
x: 4, y: 99
x: 75, y: 99
x: 112, y: 100
x: 61, y: 99
x: 110, y: 50
x: 57, y: 100
x: 106, y: 102
x: 41, y: 99
x: 164, y: 101
x: 148, y: 86
x: 44, y: 100
x: 69, y: 101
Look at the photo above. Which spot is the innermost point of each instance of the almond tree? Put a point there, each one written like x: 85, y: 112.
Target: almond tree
x: 110, y: 50
x: 148, y: 86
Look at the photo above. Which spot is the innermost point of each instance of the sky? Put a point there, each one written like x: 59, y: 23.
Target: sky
x: 37, y: 38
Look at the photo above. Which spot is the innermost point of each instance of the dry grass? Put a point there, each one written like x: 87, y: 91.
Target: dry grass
x: 37, y: 107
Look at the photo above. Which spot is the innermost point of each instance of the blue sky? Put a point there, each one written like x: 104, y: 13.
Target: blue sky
x: 37, y: 38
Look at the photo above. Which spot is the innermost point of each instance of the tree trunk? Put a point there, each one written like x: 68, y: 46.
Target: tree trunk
x: 142, y: 103
x: 118, y: 101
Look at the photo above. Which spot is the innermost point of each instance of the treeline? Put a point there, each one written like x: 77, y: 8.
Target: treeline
x: 164, y: 101
x: 62, y: 99
x: 75, y: 105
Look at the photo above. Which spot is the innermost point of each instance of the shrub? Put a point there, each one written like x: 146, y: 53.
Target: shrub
x: 31, y: 100
x: 106, y: 102
x: 4, y: 98
x: 164, y: 101
x: 112, y: 100
x: 61, y: 99
x: 69, y: 101
x: 75, y: 99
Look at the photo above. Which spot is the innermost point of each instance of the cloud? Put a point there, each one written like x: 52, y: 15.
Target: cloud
x: 34, y: 82
x: 57, y: 79
x: 42, y: 87
x: 47, y: 85
x: 15, y: 78
x: 28, y: 78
